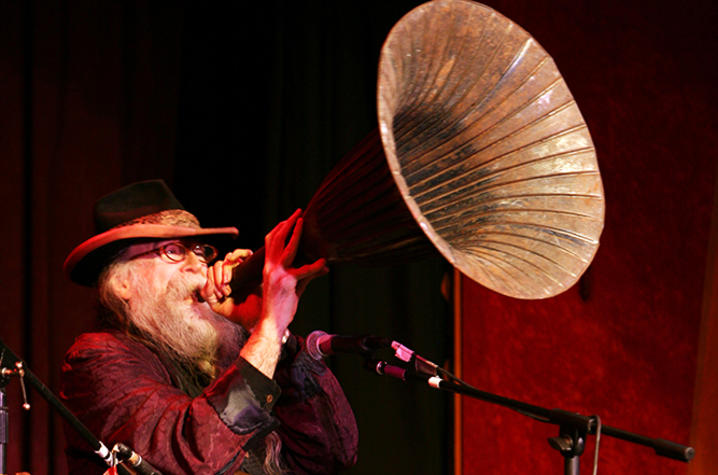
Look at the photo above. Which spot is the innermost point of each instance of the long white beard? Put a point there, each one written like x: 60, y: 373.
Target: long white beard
x: 176, y: 322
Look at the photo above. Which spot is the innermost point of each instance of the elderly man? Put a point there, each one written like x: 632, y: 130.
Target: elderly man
x: 191, y: 379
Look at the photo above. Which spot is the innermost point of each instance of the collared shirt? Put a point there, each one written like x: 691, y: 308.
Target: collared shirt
x: 123, y: 392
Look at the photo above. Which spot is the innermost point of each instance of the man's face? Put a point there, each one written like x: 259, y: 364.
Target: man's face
x: 163, y: 300
x: 186, y: 277
x: 178, y: 269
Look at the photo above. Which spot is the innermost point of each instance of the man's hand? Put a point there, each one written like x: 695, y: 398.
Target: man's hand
x: 267, y: 315
x: 282, y: 285
x: 217, y: 291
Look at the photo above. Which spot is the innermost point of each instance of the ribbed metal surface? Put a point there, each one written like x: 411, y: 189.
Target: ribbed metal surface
x: 359, y: 214
x: 488, y: 149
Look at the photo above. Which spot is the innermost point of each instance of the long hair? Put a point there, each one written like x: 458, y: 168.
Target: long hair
x: 187, y: 343
x: 189, y: 346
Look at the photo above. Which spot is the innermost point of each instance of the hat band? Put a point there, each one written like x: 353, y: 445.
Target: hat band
x: 169, y: 217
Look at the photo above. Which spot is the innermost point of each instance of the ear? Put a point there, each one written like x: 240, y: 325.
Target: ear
x: 122, y: 287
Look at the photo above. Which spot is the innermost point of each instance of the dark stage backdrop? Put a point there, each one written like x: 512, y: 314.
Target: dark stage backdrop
x: 244, y: 107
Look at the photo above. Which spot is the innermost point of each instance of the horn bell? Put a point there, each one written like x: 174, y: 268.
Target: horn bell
x: 480, y: 148
x: 489, y: 149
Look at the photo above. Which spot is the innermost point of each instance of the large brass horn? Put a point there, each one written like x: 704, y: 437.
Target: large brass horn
x: 483, y: 151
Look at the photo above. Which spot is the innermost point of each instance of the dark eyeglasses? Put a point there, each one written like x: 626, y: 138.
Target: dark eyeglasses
x: 177, y: 252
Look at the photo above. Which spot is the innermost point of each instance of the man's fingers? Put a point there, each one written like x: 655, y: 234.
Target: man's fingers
x: 238, y: 255
x: 315, y: 269
x: 215, y: 277
x: 274, y: 242
x: 209, y: 291
x: 227, y: 270
x: 222, y: 271
x: 309, y: 273
x: 290, y: 252
x: 282, y: 230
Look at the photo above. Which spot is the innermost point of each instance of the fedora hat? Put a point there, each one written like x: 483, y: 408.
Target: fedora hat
x: 138, y: 212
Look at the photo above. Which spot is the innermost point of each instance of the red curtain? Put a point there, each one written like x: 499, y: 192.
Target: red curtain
x: 82, y: 108
x: 242, y: 107
x: 90, y: 100
x: 628, y: 351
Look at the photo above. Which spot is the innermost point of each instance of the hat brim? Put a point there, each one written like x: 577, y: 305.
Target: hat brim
x: 84, y: 264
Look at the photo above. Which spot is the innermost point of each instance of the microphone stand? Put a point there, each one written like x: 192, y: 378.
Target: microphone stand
x: 110, y: 457
x: 3, y: 424
x: 573, y: 427
x: 5, y: 374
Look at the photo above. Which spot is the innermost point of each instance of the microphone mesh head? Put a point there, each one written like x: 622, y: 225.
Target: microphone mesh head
x: 313, y: 344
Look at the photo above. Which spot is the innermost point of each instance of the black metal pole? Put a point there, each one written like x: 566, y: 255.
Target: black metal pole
x: 140, y: 466
x: 4, y: 429
x: 573, y: 427
x: 577, y: 422
x: 99, y: 448
x: 570, y: 443
x: 571, y: 465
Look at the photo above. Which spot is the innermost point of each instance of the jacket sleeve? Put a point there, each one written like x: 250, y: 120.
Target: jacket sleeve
x: 318, y: 429
x: 123, y: 393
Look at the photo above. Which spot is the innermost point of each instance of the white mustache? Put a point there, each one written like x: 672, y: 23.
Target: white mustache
x: 185, y: 286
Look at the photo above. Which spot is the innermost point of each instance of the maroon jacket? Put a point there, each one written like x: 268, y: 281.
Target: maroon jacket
x: 122, y: 391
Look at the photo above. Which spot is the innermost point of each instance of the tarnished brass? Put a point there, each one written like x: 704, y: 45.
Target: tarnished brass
x: 484, y: 152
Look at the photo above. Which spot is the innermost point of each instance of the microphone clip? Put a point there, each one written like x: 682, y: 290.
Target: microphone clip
x: 420, y: 364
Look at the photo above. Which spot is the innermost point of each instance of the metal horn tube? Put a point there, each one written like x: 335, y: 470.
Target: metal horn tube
x: 481, y: 148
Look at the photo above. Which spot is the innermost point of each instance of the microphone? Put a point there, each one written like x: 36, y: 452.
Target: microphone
x: 321, y: 344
